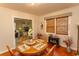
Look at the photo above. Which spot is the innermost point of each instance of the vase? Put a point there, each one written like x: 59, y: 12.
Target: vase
x: 69, y: 49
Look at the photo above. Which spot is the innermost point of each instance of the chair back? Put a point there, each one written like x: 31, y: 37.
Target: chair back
x: 50, y: 50
x: 10, y: 50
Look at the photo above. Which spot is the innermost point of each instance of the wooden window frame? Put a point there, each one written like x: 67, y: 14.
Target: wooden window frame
x: 50, y: 26
x: 62, y: 26
x: 55, y: 25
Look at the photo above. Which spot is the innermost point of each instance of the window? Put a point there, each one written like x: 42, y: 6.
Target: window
x: 62, y: 25
x: 57, y: 25
x: 50, y: 25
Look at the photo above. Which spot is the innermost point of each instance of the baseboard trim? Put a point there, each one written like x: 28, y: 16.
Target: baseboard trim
x: 1, y: 52
x: 71, y: 47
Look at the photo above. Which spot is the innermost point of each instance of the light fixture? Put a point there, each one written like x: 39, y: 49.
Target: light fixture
x: 35, y: 3
x: 32, y: 3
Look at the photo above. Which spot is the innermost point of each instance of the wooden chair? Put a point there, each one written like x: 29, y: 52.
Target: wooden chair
x: 52, y: 48
x: 12, y: 53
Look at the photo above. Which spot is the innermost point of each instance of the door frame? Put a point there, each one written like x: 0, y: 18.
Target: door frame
x: 78, y: 40
x: 13, y: 29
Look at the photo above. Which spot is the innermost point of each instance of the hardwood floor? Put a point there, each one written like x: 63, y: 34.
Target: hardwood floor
x: 58, y: 51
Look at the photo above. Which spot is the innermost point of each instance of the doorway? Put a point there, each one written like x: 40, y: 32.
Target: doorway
x: 78, y: 41
x: 19, y: 28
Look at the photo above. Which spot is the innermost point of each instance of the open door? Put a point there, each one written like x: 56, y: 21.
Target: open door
x: 20, y: 24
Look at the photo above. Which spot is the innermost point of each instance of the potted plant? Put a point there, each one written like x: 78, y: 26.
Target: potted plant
x: 68, y: 43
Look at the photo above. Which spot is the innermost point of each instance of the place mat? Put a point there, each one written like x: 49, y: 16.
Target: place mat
x: 39, y: 40
x: 23, y: 47
x: 39, y: 46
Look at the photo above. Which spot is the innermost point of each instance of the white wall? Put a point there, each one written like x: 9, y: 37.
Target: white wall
x: 73, y: 22
x: 6, y: 26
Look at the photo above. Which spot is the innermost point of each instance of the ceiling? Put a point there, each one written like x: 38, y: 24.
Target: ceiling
x: 38, y: 8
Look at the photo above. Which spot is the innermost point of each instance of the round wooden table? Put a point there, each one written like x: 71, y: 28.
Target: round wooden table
x: 33, y: 51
